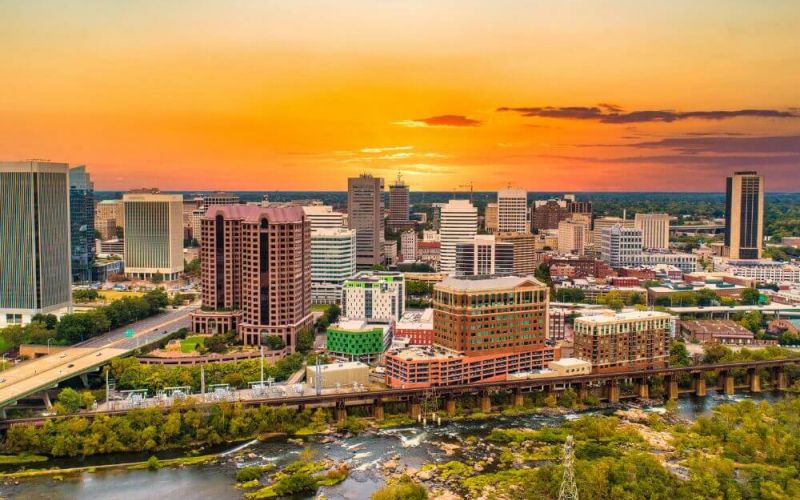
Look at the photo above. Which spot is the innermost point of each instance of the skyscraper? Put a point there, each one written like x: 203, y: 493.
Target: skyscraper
x: 744, y: 215
x: 459, y: 223
x: 399, y: 205
x: 81, y: 219
x: 323, y: 216
x: 655, y: 230
x: 512, y: 211
x: 365, y: 215
x: 35, y: 259
x: 490, y: 218
x: 333, y: 260
x: 484, y: 256
x: 153, y: 234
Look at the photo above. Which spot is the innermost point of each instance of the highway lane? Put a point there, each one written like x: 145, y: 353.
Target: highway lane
x: 45, y: 372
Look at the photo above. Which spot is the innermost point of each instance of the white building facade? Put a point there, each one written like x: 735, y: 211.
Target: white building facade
x: 153, y: 235
x: 374, y: 296
x: 512, y: 211
x: 333, y: 261
x: 459, y: 223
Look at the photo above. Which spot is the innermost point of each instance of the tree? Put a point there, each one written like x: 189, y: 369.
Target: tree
x: 216, y: 343
x: 333, y: 313
x: 275, y: 342
x: 14, y: 335
x: 613, y: 300
x: 87, y: 399
x: 50, y: 320
x: 750, y: 296
x: 678, y: 354
x: 573, y: 295
x: 752, y: 320
x: 157, y: 278
x: 403, y: 489
x: 298, y: 482
x: 305, y: 340
x: 70, y: 400
x: 706, y: 297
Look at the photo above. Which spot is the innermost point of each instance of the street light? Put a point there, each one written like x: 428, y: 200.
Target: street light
x: 48, y: 344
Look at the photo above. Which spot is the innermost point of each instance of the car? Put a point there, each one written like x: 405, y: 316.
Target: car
x: 99, y: 354
x: 63, y: 355
x: 70, y: 365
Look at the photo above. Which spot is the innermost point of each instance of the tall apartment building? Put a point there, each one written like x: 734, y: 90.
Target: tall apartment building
x: 153, y: 234
x: 374, y: 296
x: 744, y: 215
x: 601, y: 223
x: 624, y: 341
x: 484, y: 256
x: 399, y: 205
x: 323, y: 216
x: 81, y: 220
x: 459, y: 223
x: 655, y: 230
x: 572, y: 235
x: 333, y: 261
x: 256, y: 273
x: 512, y: 211
x: 620, y: 246
x: 490, y: 218
x: 35, y: 257
x: 524, y: 250
x: 108, y: 217
x: 408, y: 245
x: 365, y: 215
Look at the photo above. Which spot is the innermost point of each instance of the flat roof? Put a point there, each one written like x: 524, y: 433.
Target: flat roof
x: 623, y: 316
x: 345, y: 365
x: 483, y: 283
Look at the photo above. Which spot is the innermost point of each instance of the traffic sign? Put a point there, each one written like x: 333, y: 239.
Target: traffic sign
x: 129, y: 332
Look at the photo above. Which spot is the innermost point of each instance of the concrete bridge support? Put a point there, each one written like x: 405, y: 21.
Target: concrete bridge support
x: 728, y: 386
x: 642, y: 389
x: 85, y: 380
x: 517, y: 399
x: 755, y: 380
x: 612, y: 391
x: 450, y: 406
x: 672, y: 387
x: 779, y: 379
x: 46, y: 399
x: 414, y: 409
x: 485, y: 402
x: 377, y: 409
x: 583, y: 391
x: 340, y: 413
x: 699, y: 383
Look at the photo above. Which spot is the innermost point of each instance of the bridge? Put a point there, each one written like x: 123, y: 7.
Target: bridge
x: 608, y: 383
x: 40, y: 374
x: 697, y: 228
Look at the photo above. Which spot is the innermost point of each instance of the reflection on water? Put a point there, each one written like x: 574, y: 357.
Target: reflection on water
x: 365, y: 454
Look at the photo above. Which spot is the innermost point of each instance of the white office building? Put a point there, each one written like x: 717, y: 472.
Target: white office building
x: 459, y: 224
x: 619, y: 245
x: 333, y: 261
x: 572, y: 236
x: 153, y: 234
x: 374, y: 296
x: 512, y: 211
x: 655, y: 230
x: 323, y: 216
x: 408, y: 245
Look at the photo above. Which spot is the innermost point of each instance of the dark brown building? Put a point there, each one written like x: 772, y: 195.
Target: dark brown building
x: 584, y: 266
x: 547, y: 214
x: 256, y: 272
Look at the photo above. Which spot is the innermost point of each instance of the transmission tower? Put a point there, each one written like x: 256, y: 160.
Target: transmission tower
x: 569, y: 490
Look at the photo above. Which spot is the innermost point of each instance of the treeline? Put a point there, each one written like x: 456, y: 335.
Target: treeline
x: 129, y: 373
x: 77, y: 327
x: 150, y: 430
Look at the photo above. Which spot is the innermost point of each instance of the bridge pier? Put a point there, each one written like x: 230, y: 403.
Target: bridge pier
x: 377, y: 409
x: 779, y: 377
x: 517, y: 399
x: 450, y: 406
x: 755, y: 380
x: 699, y: 383
x: 642, y: 389
x: 672, y: 387
x: 583, y: 391
x: 341, y: 413
x: 485, y: 402
x: 612, y: 391
x: 728, y: 387
x: 85, y: 380
x: 46, y: 399
x: 414, y: 409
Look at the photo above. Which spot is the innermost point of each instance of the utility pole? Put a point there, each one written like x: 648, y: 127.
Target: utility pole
x: 202, y: 380
x: 262, y: 366
x: 107, y: 386
x: 569, y: 490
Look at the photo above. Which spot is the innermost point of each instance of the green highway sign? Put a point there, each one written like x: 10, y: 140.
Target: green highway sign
x: 129, y: 333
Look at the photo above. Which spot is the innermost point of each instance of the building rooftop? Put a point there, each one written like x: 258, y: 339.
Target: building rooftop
x: 716, y: 328
x: 355, y: 325
x: 253, y: 213
x: 416, y: 320
x: 344, y: 366
x: 623, y: 316
x: 482, y: 283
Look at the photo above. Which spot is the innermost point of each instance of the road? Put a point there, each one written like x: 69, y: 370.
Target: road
x: 42, y: 373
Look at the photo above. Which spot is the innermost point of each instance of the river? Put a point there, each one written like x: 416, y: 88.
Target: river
x: 364, y: 454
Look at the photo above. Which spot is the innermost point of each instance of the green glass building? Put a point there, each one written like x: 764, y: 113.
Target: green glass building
x: 357, y: 340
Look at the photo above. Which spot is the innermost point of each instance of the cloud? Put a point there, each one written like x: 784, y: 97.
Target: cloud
x: 771, y: 145
x: 441, y: 121
x: 610, y: 113
x: 386, y: 149
x: 725, y: 161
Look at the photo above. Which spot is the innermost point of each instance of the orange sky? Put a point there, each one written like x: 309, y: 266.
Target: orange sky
x: 273, y: 95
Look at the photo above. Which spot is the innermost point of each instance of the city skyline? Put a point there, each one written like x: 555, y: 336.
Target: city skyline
x: 572, y: 97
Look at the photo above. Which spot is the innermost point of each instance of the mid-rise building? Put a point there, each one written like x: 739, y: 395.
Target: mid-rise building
x: 81, y: 219
x: 512, y: 211
x: 655, y: 230
x: 484, y: 256
x: 108, y: 217
x: 459, y: 224
x: 620, y: 245
x: 35, y: 257
x: 374, y: 296
x: 524, y: 250
x: 256, y: 273
x: 429, y: 253
x: 416, y: 327
x: 558, y: 324
x: 399, y: 205
x: 323, y: 217
x: 546, y: 214
x: 408, y: 245
x: 430, y: 235
x: 760, y: 270
x: 333, y: 261
x: 365, y: 215
x: 744, y: 215
x: 572, y: 237
x: 220, y: 198
x: 358, y: 340
x: 390, y: 253
x: 624, y: 341
x: 490, y: 222
x: 153, y: 234
x: 601, y: 223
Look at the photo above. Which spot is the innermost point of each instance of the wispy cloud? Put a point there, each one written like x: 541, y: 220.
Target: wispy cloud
x: 726, y: 145
x: 441, y: 121
x: 610, y: 113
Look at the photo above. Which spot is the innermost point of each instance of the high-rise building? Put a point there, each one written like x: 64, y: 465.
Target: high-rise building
x: 35, y: 257
x: 655, y: 230
x: 374, y: 296
x: 624, y: 341
x: 459, y: 223
x: 572, y: 236
x: 512, y: 211
x: 323, y: 216
x: 333, y: 261
x: 256, y: 273
x: 524, y: 245
x: 399, y: 205
x: 484, y: 256
x: 365, y: 215
x: 408, y: 245
x: 620, y: 246
x: 108, y: 217
x: 81, y: 220
x: 436, y: 219
x: 744, y: 215
x: 546, y: 214
x: 601, y: 223
x: 578, y: 207
x: 153, y: 234
x: 490, y: 218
